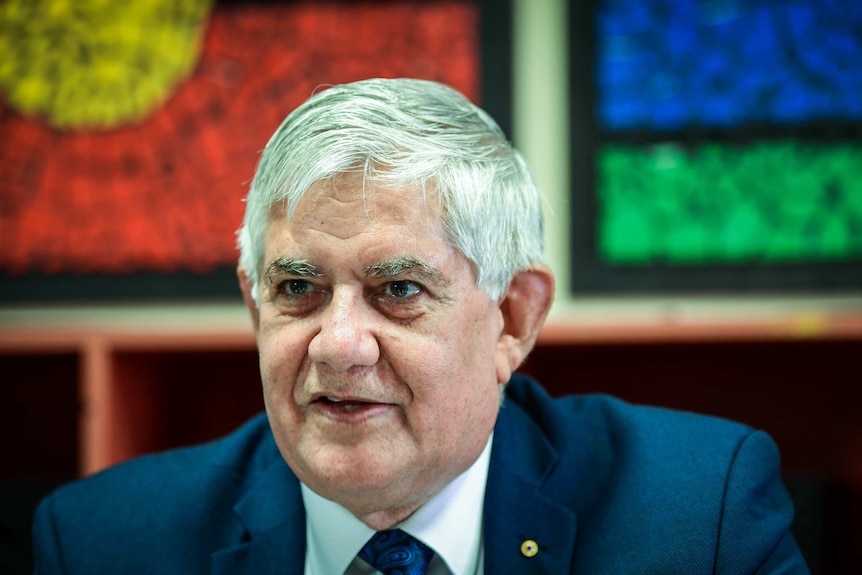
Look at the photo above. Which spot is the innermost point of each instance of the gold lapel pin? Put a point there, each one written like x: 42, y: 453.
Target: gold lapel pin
x: 529, y: 548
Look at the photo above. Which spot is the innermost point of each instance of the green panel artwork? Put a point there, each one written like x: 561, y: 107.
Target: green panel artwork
x: 773, y: 202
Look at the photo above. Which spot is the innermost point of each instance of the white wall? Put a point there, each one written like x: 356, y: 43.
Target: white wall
x: 540, y: 123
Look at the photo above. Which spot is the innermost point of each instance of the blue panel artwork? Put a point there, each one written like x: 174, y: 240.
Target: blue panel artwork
x: 672, y: 64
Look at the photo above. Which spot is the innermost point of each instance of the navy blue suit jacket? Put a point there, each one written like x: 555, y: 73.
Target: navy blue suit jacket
x: 602, y: 486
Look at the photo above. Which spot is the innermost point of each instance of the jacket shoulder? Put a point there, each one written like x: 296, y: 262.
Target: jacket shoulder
x: 615, y: 426
x: 682, y: 487
x: 182, y: 499
x: 172, y: 473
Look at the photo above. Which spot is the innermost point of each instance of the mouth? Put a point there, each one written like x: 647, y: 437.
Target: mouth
x: 350, y: 410
x: 343, y: 404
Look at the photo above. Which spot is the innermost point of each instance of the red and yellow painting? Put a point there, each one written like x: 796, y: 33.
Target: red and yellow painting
x: 115, y: 188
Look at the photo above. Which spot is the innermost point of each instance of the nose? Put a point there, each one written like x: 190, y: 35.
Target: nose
x: 345, y: 338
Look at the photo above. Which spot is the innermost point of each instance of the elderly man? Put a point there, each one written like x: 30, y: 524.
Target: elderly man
x: 391, y: 262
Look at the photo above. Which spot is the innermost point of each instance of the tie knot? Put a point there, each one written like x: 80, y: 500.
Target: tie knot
x: 394, y: 552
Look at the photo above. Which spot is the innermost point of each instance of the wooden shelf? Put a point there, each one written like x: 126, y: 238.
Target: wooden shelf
x: 139, y: 373
x: 89, y: 387
x: 146, y: 378
x: 719, y: 320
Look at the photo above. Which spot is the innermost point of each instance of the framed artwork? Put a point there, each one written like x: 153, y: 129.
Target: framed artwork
x: 130, y: 134
x: 716, y: 146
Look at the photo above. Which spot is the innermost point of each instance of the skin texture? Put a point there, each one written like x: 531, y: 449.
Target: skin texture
x: 363, y: 301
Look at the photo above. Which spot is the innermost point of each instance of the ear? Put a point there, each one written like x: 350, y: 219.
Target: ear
x: 524, y: 308
x: 245, y: 286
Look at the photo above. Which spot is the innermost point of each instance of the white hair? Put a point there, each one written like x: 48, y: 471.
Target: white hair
x: 405, y: 132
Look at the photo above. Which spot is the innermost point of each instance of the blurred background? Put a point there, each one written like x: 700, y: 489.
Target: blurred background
x: 701, y: 159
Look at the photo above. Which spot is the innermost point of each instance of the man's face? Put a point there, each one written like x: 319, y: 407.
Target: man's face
x: 377, y: 350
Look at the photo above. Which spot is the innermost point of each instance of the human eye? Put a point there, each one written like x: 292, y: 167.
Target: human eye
x: 402, y: 289
x: 402, y: 300
x: 296, y: 287
x: 297, y: 296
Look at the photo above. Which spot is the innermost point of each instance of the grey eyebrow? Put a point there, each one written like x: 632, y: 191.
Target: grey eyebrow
x: 397, y: 266
x: 291, y: 266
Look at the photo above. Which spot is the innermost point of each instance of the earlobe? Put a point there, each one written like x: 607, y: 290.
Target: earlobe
x: 524, y: 306
x: 245, y: 286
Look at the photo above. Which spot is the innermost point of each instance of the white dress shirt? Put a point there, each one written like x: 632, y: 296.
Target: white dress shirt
x: 450, y: 523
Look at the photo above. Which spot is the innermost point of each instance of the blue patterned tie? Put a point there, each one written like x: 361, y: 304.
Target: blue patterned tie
x: 394, y: 552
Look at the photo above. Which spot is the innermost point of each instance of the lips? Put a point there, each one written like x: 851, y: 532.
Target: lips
x: 349, y: 409
x: 345, y: 404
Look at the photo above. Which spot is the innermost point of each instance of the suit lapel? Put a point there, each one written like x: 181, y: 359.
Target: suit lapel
x: 273, y: 516
x: 516, y: 511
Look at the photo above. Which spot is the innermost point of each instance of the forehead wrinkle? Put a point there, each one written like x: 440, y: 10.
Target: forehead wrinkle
x: 396, y: 266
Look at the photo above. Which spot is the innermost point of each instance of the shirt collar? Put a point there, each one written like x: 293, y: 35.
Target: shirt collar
x: 450, y: 523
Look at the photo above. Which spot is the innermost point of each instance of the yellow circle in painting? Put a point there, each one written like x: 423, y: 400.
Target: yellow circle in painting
x: 96, y: 64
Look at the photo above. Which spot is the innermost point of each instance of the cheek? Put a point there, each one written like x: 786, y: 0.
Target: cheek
x: 475, y: 344
x: 280, y: 360
x: 455, y: 373
x: 477, y: 348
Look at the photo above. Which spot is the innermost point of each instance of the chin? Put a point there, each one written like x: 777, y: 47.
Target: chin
x: 351, y: 472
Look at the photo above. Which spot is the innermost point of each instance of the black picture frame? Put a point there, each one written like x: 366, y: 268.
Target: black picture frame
x: 591, y: 276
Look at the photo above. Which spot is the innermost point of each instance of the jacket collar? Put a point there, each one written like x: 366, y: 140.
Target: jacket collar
x: 273, y: 517
x: 516, y: 510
